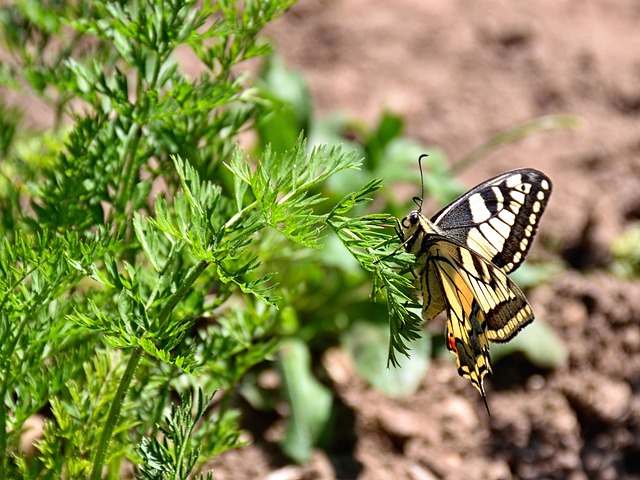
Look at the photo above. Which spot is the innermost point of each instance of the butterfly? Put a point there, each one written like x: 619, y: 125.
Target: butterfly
x: 464, y: 255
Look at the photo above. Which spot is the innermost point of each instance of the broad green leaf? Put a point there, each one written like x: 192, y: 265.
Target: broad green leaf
x: 367, y: 341
x: 311, y: 402
x: 538, y: 342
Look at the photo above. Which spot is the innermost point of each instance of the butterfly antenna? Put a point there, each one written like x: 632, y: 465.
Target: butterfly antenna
x: 418, y: 200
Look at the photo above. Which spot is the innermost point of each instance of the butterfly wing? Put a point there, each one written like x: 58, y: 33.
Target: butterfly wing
x: 504, y: 307
x: 482, y: 304
x: 498, y: 218
x: 433, y: 301
x: 466, y: 325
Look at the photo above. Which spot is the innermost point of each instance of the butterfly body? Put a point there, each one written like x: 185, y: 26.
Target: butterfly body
x: 464, y: 254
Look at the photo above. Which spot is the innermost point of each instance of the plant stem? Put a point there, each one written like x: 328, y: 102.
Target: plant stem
x: 134, y: 360
x: 238, y: 215
x: 192, y: 275
x: 114, y: 413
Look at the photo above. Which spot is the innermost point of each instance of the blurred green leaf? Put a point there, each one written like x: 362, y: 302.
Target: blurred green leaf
x: 626, y: 253
x: 367, y: 341
x: 330, y: 130
x: 540, y: 344
x: 532, y: 274
x: 311, y: 402
x: 279, y: 127
x: 389, y: 127
x: 335, y: 254
x: 287, y: 86
x: 289, y: 111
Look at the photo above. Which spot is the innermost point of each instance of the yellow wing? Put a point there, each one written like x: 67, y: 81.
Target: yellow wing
x: 482, y: 304
x: 432, y: 298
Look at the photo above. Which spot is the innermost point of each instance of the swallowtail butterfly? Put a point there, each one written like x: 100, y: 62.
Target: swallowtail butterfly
x: 465, y: 253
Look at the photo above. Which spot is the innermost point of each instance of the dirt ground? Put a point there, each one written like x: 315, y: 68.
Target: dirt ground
x: 459, y: 72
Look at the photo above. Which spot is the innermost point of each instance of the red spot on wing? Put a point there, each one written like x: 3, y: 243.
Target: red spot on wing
x: 451, y: 342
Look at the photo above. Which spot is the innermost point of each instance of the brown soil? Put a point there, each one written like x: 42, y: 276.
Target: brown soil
x: 459, y: 72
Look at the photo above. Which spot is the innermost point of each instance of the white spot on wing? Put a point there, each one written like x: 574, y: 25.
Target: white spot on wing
x: 496, y: 240
x: 507, y: 217
x: 501, y: 227
x: 514, y: 180
x: 498, y: 193
x: 517, y: 196
x: 479, y: 210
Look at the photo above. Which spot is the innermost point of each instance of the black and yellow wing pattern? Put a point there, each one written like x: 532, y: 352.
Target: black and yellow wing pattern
x: 465, y: 253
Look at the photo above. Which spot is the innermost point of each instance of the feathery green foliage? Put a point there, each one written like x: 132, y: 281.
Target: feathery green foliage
x: 176, y: 454
x: 143, y: 251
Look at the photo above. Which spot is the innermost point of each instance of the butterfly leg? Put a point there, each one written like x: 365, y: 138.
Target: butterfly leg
x: 398, y: 229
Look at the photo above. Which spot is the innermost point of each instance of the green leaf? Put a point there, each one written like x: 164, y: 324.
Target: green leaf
x: 626, y: 253
x: 538, y: 342
x: 367, y: 340
x: 150, y: 241
x: 107, y: 289
x: 282, y: 185
x: 310, y: 401
x: 288, y: 109
x: 368, y: 239
x: 176, y: 454
x: 389, y: 127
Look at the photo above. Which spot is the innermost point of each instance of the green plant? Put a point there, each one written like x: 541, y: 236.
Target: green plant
x: 625, y: 262
x: 141, y: 246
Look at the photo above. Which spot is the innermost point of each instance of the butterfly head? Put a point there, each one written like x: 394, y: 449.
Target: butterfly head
x: 412, y: 230
x: 411, y: 221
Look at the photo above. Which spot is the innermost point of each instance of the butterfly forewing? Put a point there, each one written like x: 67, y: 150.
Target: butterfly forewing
x: 499, y: 218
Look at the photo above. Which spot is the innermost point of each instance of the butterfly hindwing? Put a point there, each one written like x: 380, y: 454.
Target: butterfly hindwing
x: 482, y: 304
x: 466, y: 326
x: 502, y: 302
x: 433, y: 301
